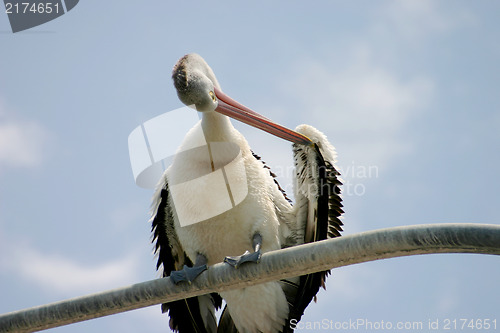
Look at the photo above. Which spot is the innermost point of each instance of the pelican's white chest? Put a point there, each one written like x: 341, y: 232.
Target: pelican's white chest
x: 221, y: 198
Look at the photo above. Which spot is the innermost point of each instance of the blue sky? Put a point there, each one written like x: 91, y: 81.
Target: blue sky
x: 407, y: 91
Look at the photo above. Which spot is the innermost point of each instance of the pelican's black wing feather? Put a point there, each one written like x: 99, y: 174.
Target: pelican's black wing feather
x: 191, y: 315
x: 318, y: 197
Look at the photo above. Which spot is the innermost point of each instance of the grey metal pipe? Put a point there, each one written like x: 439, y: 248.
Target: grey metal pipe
x: 298, y: 260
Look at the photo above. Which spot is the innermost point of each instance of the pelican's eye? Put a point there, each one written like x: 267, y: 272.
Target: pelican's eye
x: 212, y: 94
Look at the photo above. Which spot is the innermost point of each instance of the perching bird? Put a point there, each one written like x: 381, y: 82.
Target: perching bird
x: 219, y: 202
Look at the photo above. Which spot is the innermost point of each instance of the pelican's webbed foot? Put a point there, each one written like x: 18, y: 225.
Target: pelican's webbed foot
x: 188, y: 274
x: 247, y: 256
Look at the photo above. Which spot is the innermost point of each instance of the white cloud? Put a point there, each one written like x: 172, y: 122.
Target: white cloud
x: 356, y: 92
x: 363, y: 106
x: 415, y: 20
x: 22, y: 142
x: 63, y: 275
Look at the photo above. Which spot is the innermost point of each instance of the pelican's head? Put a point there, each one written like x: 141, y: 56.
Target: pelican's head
x: 195, y: 82
x: 196, y: 85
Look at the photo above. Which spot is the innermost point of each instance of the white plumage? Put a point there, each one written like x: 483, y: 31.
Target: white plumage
x: 258, y: 207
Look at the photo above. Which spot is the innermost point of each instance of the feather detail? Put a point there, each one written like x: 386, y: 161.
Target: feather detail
x: 196, y: 314
x: 273, y: 175
x: 318, y: 208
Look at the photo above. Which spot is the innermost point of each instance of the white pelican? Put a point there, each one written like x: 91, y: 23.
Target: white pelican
x: 192, y: 230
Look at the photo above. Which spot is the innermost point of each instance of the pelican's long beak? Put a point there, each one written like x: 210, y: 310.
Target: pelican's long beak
x: 233, y: 109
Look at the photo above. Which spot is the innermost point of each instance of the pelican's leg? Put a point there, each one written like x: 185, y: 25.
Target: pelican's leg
x: 247, y: 256
x: 188, y: 274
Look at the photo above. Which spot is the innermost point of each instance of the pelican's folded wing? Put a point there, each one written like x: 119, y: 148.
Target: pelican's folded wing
x: 318, y: 207
x: 191, y: 315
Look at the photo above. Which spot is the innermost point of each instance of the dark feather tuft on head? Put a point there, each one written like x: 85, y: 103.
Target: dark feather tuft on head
x: 179, y: 74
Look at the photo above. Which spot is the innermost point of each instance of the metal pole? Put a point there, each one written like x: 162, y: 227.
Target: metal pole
x: 298, y: 260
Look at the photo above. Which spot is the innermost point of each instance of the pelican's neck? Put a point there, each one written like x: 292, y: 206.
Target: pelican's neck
x: 216, y: 127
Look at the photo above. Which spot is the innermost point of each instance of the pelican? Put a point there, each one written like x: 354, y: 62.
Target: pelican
x: 193, y: 228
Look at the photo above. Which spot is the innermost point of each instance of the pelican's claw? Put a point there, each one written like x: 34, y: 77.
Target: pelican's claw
x: 187, y: 274
x: 245, y: 257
